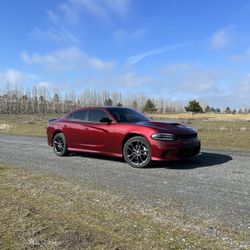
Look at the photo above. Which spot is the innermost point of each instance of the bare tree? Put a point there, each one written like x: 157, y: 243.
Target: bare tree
x: 41, y: 100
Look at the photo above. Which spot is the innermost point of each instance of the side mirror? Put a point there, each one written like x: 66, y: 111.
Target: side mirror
x: 106, y: 120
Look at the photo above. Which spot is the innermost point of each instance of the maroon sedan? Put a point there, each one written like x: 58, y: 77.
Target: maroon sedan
x: 121, y: 132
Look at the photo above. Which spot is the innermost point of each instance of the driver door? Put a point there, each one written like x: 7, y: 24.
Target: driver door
x: 99, y: 135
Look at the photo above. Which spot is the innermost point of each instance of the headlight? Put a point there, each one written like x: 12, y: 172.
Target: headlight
x: 163, y: 137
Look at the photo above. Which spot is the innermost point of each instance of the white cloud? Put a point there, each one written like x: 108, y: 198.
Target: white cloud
x: 119, y: 6
x: 94, y: 7
x: 55, y: 35
x: 221, y: 38
x: 137, y: 58
x: 102, y: 8
x: 13, y: 76
x: 130, y: 80
x: 201, y: 82
x: 53, y: 16
x: 123, y: 36
x: 69, y: 11
x: 245, y: 56
x: 194, y: 79
x: 44, y: 85
x: 237, y: 95
x: 243, y: 87
x: 176, y: 68
x: 71, y: 58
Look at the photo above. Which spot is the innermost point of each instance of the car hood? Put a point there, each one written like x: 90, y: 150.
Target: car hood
x: 168, y: 127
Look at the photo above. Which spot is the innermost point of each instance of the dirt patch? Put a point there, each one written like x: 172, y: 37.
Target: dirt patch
x: 4, y: 126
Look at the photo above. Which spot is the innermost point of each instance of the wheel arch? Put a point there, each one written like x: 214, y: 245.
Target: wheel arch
x: 131, y: 135
x: 55, y: 133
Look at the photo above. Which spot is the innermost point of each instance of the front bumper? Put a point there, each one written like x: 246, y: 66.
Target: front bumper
x: 174, y: 150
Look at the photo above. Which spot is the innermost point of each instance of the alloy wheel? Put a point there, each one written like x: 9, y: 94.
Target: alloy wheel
x: 137, y: 152
x: 59, y: 144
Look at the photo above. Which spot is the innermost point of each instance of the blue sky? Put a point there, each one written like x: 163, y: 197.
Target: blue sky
x: 176, y: 49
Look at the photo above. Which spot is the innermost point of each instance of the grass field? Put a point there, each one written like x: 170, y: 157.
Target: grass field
x: 32, y: 125
x: 50, y: 212
x: 217, y: 131
x: 206, y: 116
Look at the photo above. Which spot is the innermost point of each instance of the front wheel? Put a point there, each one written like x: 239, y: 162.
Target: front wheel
x: 59, y: 144
x: 137, y: 152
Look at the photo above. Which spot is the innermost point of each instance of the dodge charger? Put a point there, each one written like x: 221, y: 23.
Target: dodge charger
x: 121, y: 132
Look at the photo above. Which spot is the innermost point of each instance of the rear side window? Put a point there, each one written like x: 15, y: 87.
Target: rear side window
x: 95, y: 115
x: 80, y: 115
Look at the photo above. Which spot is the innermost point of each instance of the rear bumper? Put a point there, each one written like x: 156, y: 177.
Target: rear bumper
x: 180, y: 149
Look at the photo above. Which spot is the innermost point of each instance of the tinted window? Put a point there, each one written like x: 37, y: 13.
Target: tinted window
x: 95, y: 115
x: 78, y: 115
x: 127, y: 115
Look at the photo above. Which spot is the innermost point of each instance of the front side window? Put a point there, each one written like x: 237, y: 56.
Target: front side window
x: 80, y: 115
x: 95, y: 115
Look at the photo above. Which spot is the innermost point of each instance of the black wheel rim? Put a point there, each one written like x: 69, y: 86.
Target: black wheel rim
x: 59, y: 145
x: 137, y: 152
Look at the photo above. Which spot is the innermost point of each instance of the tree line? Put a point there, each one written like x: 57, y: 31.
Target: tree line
x: 195, y: 107
x: 42, y: 100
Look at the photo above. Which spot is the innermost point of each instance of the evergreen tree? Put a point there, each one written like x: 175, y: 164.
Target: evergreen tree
x: 207, y: 109
x: 149, y: 107
x: 194, y: 107
x: 108, y: 102
x: 213, y: 110
x: 228, y: 110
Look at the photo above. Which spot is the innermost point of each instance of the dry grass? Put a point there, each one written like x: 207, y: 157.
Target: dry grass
x: 206, y: 116
x: 49, y: 212
x: 32, y: 125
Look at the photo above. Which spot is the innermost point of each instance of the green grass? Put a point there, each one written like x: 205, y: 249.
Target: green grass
x: 214, y: 134
x: 49, y: 212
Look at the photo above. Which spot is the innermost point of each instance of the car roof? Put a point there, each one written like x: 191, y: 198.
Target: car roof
x: 98, y: 107
x: 102, y: 107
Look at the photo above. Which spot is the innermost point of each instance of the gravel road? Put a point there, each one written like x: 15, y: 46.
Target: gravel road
x: 214, y: 185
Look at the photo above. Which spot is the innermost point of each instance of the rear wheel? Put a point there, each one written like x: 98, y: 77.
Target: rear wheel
x: 137, y: 152
x: 59, y: 144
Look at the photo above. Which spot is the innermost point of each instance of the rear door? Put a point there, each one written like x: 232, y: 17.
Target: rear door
x: 74, y: 128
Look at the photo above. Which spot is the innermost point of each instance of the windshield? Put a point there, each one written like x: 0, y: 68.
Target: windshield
x: 126, y: 115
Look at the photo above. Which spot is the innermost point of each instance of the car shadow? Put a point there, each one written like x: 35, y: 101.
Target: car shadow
x: 205, y: 159
x: 95, y: 156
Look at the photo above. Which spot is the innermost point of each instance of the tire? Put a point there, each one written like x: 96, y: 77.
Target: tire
x: 60, y: 145
x: 137, y: 152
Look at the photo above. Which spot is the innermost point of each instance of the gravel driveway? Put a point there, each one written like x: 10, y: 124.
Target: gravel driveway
x: 214, y: 185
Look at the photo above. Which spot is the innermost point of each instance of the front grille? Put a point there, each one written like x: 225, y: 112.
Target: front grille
x: 186, y: 136
x: 188, y: 151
